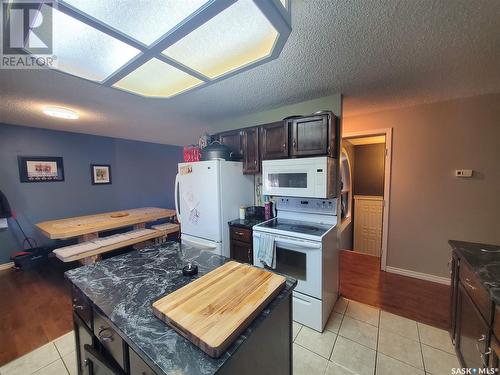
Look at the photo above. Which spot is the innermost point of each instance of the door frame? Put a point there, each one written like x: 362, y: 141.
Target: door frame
x: 387, y: 183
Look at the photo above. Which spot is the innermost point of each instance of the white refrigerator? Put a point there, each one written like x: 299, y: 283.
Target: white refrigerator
x: 208, y: 195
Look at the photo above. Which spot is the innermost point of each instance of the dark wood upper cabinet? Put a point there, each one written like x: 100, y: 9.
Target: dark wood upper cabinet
x: 313, y: 135
x: 250, y: 142
x: 274, y: 140
x: 232, y: 139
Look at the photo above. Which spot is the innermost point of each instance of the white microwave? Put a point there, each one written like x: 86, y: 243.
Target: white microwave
x: 304, y: 177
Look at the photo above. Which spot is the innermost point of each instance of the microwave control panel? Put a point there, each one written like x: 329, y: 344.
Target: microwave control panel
x: 309, y: 205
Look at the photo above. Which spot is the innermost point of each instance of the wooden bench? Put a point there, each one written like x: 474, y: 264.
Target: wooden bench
x: 90, y: 249
x: 87, y: 229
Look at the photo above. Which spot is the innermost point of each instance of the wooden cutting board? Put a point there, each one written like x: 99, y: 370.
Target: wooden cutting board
x: 213, y: 310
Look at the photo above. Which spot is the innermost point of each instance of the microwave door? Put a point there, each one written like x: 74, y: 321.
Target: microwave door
x: 297, y: 182
x: 302, y: 261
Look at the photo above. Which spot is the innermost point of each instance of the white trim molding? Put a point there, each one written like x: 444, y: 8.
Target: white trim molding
x: 419, y: 275
x: 387, y: 184
x: 6, y: 266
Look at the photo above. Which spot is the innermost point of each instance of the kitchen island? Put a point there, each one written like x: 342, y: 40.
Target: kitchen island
x: 116, y: 331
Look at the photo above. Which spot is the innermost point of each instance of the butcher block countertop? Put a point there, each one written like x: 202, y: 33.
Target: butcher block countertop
x: 125, y: 287
x: 214, y: 309
x: 81, y: 225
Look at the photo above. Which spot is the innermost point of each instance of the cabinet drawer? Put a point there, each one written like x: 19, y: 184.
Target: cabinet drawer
x: 476, y: 291
x: 110, y: 340
x: 82, y: 307
x: 241, y: 234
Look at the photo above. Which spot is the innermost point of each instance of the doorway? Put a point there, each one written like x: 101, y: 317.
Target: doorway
x: 365, y: 168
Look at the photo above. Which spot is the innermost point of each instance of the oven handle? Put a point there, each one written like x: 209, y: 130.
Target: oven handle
x: 304, y: 244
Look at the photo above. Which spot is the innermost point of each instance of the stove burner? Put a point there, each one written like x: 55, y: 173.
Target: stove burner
x: 304, y: 228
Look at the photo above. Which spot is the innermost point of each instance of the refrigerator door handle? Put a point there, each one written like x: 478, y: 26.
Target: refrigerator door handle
x: 177, y: 197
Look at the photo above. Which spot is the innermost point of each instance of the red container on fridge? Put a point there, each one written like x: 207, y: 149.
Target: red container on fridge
x: 192, y: 153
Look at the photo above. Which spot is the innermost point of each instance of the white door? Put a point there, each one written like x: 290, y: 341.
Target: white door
x: 197, y: 199
x: 368, y: 224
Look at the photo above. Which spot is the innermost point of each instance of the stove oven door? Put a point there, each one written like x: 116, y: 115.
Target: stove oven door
x: 297, y: 258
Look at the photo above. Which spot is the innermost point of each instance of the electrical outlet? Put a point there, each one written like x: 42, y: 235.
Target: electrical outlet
x: 463, y: 173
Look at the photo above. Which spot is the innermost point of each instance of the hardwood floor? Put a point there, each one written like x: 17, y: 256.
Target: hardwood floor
x: 35, y: 308
x: 35, y: 305
x: 362, y: 280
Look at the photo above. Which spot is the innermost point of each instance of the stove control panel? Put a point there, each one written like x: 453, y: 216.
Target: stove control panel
x: 309, y: 205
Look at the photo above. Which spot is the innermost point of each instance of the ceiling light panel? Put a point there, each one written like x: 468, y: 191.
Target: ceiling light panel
x: 238, y: 36
x: 157, y: 79
x: 144, y: 20
x: 86, y: 52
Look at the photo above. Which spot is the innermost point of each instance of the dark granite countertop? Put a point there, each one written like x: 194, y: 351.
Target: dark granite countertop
x: 484, y: 260
x: 124, y: 287
x: 245, y: 223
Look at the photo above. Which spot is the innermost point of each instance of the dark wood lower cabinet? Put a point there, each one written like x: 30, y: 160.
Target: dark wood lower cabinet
x: 83, y: 336
x: 473, y: 332
x: 472, y: 318
x: 242, y: 252
x: 241, y: 246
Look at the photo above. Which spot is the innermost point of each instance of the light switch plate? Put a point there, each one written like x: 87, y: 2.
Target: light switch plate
x: 463, y: 173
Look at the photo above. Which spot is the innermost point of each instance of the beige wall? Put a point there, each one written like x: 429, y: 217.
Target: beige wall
x: 428, y: 204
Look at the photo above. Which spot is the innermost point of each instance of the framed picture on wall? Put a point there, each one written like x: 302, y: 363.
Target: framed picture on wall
x: 40, y: 168
x: 101, y: 174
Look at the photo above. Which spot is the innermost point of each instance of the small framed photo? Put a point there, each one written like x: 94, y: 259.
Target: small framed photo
x: 40, y: 168
x: 101, y: 174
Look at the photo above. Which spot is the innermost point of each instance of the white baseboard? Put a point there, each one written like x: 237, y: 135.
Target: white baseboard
x: 6, y: 266
x: 419, y: 275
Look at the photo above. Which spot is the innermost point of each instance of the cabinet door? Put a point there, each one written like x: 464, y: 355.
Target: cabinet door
x: 454, y: 264
x: 82, y: 337
x: 310, y: 136
x: 473, y: 332
x: 251, y: 162
x: 232, y: 140
x: 274, y: 140
x: 138, y: 366
x: 241, y: 252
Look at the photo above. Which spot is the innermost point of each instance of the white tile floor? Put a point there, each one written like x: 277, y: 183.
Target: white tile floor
x: 55, y: 358
x: 358, y: 339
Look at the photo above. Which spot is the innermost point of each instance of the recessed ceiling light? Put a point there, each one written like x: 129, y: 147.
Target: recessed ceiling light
x: 60, y: 112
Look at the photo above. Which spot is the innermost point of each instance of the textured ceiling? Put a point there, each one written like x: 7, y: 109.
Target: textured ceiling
x: 379, y: 54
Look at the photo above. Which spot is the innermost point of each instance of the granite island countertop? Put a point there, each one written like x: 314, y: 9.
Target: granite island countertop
x: 484, y: 260
x: 124, y: 287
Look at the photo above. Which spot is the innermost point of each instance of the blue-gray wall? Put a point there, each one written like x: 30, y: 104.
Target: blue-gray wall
x: 142, y: 175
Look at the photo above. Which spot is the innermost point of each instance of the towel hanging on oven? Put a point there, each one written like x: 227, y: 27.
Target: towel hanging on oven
x: 267, y: 251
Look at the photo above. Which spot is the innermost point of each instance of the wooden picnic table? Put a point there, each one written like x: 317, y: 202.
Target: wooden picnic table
x: 87, y: 228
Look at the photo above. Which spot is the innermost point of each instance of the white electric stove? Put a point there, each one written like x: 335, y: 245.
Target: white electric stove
x: 305, y: 235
